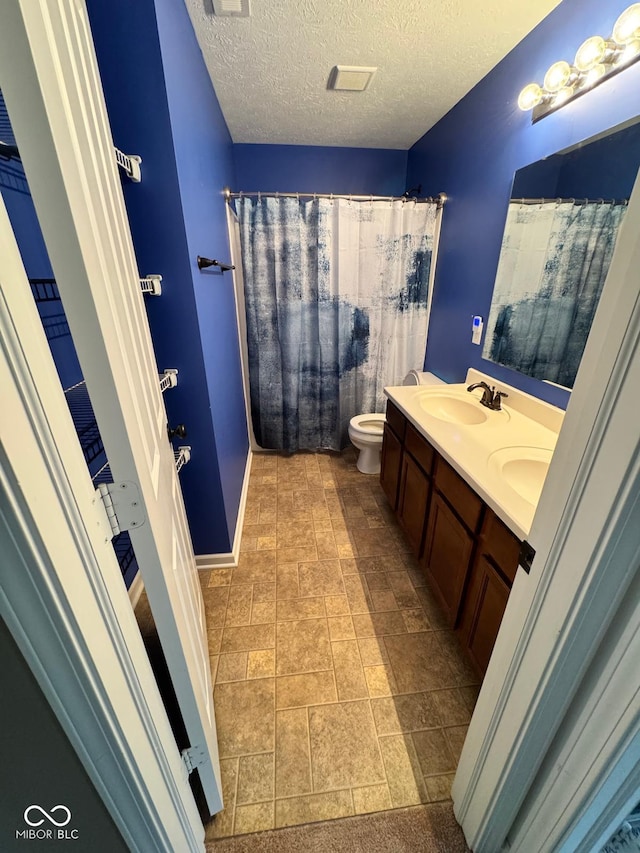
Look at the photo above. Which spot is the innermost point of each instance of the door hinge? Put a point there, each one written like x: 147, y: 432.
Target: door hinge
x: 130, y: 163
x: 194, y: 756
x: 525, y: 558
x: 182, y: 455
x: 152, y: 284
x: 123, y: 506
x: 168, y: 379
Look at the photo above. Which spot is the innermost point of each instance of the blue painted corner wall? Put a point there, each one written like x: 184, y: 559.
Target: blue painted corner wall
x: 320, y: 169
x: 472, y: 154
x: 162, y: 106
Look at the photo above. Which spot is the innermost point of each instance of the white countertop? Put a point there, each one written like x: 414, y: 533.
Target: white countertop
x: 504, y: 457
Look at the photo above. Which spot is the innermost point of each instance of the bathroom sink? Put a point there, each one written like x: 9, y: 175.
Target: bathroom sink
x: 455, y: 410
x: 524, y: 469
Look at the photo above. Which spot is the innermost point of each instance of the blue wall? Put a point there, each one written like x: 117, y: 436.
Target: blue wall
x: 472, y: 154
x: 162, y: 106
x: 309, y: 169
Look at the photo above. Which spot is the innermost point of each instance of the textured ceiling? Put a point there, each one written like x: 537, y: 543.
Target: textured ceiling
x: 270, y: 70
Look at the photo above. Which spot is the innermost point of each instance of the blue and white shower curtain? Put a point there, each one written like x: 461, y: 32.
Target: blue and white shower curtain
x: 553, y: 265
x: 336, y: 296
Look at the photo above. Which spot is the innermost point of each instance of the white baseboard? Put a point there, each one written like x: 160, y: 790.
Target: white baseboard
x: 230, y: 559
x: 135, y: 590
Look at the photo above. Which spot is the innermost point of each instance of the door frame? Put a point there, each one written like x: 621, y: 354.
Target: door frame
x: 62, y: 595
x: 557, y: 627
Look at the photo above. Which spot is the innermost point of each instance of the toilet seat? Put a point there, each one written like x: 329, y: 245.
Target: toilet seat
x: 368, y: 425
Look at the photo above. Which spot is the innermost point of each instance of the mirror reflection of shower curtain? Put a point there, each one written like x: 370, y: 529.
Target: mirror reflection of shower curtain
x: 553, y: 264
x: 336, y: 297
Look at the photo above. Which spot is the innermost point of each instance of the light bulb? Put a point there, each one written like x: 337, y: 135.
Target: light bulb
x: 530, y: 97
x: 627, y: 27
x: 557, y: 76
x: 631, y: 50
x: 593, y: 75
x: 590, y: 53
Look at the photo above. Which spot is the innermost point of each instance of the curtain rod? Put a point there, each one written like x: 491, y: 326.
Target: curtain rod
x: 439, y: 200
x: 612, y: 201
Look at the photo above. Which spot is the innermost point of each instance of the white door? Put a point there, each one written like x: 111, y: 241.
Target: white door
x: 50, y: 80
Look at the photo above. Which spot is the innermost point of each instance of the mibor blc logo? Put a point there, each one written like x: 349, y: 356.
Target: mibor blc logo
x: 43, y: 824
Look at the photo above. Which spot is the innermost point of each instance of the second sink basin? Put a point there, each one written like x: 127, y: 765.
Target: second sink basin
x: 523, y: 468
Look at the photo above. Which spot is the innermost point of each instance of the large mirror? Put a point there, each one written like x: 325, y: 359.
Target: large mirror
x: 561, y: 228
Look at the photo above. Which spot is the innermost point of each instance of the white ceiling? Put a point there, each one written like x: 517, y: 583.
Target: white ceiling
x: 270, y: 70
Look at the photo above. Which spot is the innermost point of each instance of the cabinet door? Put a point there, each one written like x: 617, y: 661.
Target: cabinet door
x: 484, y: 607
x: 413, y: 502
x: 390, y: 466
x: 448, y: 551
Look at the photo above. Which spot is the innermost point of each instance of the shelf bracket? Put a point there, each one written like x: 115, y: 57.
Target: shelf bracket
x: 122, y: 505
x: 182, y: 456
x: 130, y: 163
x: 151, y: 284
x: 168, y: 379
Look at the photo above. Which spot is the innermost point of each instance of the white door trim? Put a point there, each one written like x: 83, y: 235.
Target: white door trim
x: 63, y: 598
x: 557, y: 617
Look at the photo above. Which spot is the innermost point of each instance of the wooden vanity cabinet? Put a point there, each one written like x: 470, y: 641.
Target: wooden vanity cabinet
x: 391, y: 457
x: 469, y: 556
x: 492, y: 574
x: 454, y: 518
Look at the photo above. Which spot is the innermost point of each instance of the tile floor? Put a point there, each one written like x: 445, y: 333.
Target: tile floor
x: 338, y: 690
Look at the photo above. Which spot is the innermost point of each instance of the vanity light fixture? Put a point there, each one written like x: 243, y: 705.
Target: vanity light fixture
x: 596, y: 60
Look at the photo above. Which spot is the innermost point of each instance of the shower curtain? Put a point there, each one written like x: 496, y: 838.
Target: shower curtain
x: 336, y: 296
x: 553, y: 264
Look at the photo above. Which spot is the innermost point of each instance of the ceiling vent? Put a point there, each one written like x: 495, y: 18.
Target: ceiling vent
x: 232, y: 8
x: 350, y: 78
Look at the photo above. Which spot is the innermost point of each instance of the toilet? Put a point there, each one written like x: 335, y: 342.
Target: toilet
x: 366, y: 431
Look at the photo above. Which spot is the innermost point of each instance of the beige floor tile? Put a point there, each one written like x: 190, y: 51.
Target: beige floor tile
x: 374, y: 543
x: 340, y: 628
x: 357, y: 594
x: 264, y: 592
x: 455, y: 736
x: 407, y: 600
x: 300, y: 608
x: 405, y: 780
x: 232, y: 667
x: 350, y: 680
x: 377, y: 581
x: 379, y: 624
x: 323, y: 577
x: 215, y: 605
x: 255, y: 779
x: 452, y: 708
x: 254, y: 818
x: 255, y: 567
x: 248, y: 543
x: 263, y: 612
x: 325, y: 544
x: 310, y: 688
x: 314, y: 807
x: 214, y: 637
x: 434, y: 612
x: 416, y: 621
x: 239, y: 605
x: 337, y: 605
x: 245, y: 715
x: 261, y: 663
x: 372, y: 651
x: 223, y: 823
x: 439, y: 787
x: 247, y: 637
x: 266, y: 543
x: 418, y: 662
x: 470, y: 696
x: 383, y: 599
x: 287, y: 584
x: 220, y: 577
x: 256, y: 530
x: 373, y: 798
x: 293, y: 761
x: 302, y: 646
x: 433, y: 752
x: 380, y: 680
x: 294, y: 534
x: 407, y: 713
x: 344, y: 746
x: 296, y: 555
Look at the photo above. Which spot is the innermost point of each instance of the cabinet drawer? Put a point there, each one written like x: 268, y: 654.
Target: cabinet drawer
x: 396, y: 420
x: 419, y: 448
x: 500, y: 544
x: 459, y: 495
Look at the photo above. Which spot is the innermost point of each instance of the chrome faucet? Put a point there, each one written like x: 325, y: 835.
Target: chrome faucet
x: 490, y: 397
